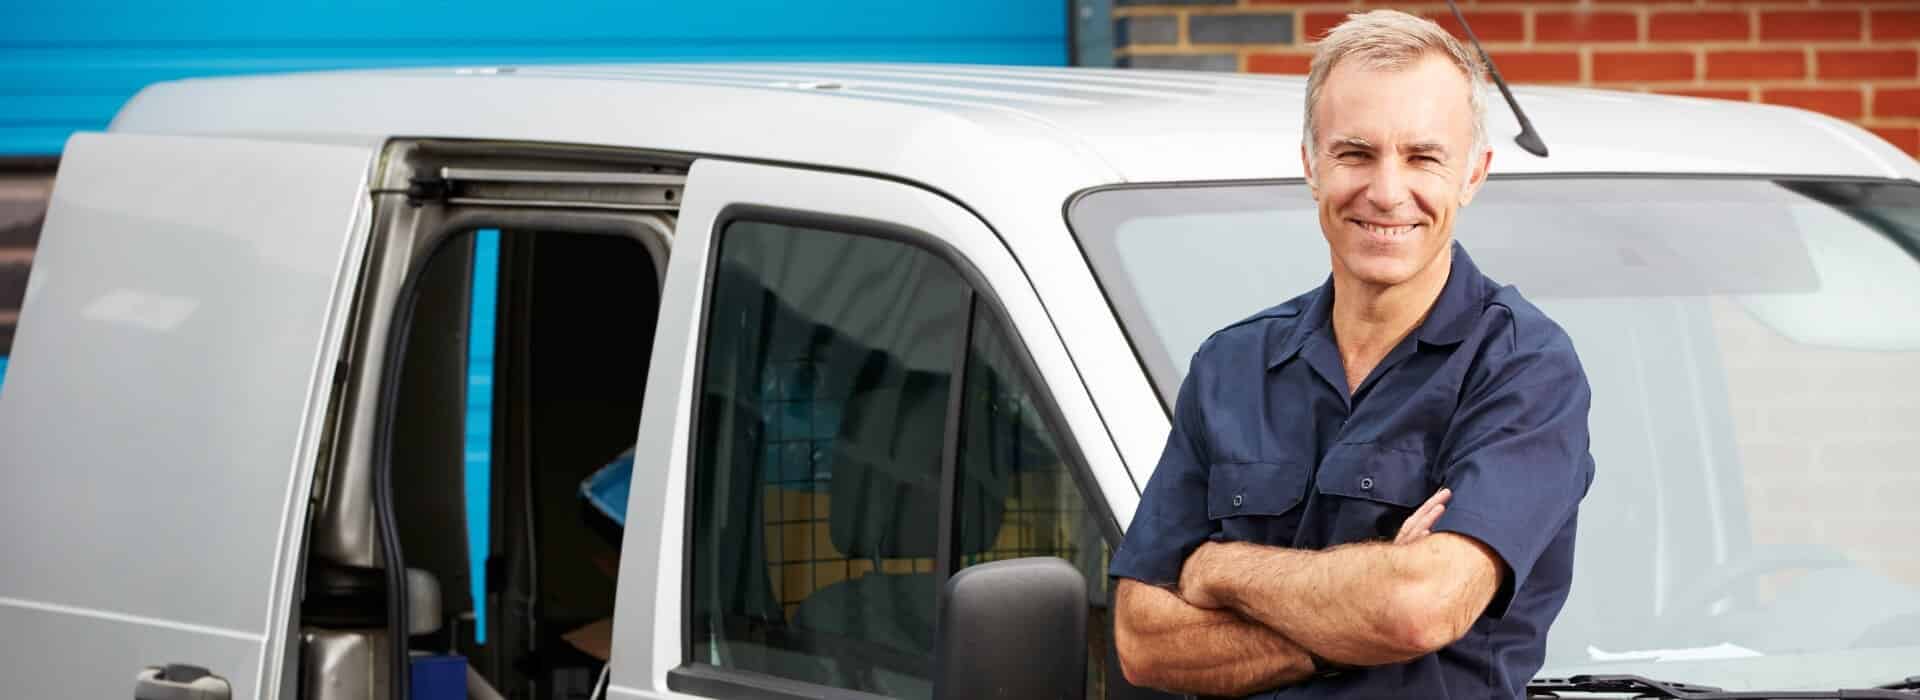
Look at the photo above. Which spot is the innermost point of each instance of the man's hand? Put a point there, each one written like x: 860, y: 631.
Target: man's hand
x: 1168, y: 644
x: 1420, y: 524
x: 1193, y: 580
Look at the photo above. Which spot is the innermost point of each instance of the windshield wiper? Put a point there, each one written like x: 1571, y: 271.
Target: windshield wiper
x: 1908, y: 683
x: 1643, y: 687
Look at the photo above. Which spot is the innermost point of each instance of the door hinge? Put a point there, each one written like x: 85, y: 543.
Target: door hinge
x: 425, y: 189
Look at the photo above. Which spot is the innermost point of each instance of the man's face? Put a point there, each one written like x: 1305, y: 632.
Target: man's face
x: 1392, y: 167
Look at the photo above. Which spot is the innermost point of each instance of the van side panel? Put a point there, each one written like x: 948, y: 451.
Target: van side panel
x: 88, y: 642
x: 159, y: 423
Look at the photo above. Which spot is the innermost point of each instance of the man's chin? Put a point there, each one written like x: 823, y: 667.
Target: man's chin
x: 1382, y: 272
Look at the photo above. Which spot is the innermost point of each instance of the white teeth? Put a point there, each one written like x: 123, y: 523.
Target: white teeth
x: 1389, y: 230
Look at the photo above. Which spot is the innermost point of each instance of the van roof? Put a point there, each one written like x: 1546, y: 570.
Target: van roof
x: 949, y: 126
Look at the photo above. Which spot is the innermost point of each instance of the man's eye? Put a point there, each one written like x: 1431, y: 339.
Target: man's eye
x: 1426, y: 159
x: 1352, y: 155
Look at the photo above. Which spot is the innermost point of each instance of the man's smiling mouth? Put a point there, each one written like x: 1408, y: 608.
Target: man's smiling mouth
x: 1390, y: 230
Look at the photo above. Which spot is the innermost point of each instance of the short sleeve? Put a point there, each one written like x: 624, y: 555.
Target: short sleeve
x: 1172, y: 518
x: 1517, y: 457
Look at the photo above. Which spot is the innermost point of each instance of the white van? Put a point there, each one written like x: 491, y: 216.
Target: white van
x: 865, y: 328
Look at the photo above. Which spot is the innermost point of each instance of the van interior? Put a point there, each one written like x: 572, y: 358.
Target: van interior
x: 563, y: 358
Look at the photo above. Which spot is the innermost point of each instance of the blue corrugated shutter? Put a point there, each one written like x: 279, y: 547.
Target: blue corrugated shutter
x: 69, y: 65
x: 481, y: 333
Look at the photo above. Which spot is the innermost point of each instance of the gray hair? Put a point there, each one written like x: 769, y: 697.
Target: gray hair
x: 1393, y: 40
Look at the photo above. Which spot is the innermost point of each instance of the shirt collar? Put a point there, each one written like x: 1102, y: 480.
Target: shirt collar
x: 1459, y: 305
x: 1448, y: 322
x: 1283, y: 344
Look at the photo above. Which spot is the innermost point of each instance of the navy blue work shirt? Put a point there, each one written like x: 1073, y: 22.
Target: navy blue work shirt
x: 1485, y: 397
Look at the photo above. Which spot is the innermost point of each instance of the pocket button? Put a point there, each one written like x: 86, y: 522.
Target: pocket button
x: 1237, y: 500
x: 1366, y: 483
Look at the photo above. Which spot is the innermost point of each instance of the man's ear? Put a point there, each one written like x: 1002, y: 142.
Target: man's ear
x: 1306, y: 166
x: 1476, y: 175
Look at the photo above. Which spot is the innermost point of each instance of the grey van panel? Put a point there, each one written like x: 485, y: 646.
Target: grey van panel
x: 66, y: 650
x: 159, y: 426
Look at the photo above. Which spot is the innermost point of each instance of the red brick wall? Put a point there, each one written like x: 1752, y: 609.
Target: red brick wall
x: 1826, y: 446
x: 1854, y: 59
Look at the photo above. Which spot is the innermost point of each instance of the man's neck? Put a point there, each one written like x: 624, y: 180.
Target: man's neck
x: 1369, y: 320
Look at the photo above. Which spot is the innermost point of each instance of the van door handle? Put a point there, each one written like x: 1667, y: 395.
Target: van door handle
x: 180, y: 682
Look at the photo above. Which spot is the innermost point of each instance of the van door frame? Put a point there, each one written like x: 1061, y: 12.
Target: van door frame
x: 416, y: 212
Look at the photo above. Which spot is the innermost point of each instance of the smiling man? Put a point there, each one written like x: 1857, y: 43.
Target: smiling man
x: 1369, y: 490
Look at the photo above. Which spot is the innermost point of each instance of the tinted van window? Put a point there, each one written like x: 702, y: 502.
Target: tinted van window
x: 824, y: 393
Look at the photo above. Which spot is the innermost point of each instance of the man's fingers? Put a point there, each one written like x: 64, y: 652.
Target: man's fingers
x: 1409, y: 527
x: 1436, y: 503
x: 1438, y: 499
x: 1191, y: 584
x: 1420, y: 523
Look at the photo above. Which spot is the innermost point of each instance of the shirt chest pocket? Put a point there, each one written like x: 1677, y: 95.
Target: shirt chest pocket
x: 1366, y: 491
x: 1256, y: 501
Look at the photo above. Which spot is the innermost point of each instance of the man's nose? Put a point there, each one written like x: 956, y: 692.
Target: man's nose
x: 1388, y: 188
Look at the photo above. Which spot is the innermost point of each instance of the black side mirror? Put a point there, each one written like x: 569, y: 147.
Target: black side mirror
x: 1013, y: 629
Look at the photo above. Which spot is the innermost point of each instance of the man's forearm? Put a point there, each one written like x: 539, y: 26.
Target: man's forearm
x: 1166, y: 643
x: 1331, y: 600
x: 1364, y: 604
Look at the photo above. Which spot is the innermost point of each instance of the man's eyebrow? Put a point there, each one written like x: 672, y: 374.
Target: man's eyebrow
x: 1351, y: 142
x: 1428, y: 147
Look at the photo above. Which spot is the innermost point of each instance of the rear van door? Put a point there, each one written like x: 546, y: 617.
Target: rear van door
x: 159, y: 425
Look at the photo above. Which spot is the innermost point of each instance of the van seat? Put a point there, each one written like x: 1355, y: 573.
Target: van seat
x: 885, y: 492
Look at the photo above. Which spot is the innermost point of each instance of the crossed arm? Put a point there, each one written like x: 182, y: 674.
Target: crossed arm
x: 1167, y: 643
x: 1246, y: 616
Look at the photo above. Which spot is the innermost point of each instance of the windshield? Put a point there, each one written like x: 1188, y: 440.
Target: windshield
x: 1754, y: 351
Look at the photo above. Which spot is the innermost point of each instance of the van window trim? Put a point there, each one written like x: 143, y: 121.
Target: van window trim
x: 708, y: 680
x: 701, y: 678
